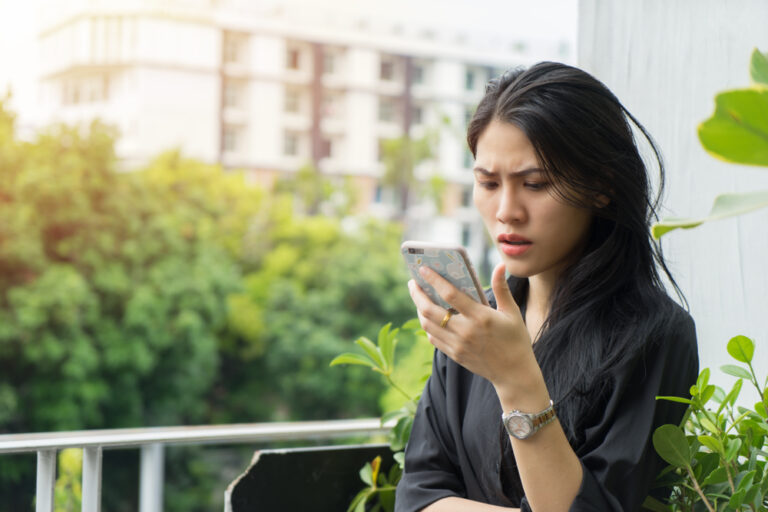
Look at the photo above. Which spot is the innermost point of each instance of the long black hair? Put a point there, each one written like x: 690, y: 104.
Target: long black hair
x: 608, y: 304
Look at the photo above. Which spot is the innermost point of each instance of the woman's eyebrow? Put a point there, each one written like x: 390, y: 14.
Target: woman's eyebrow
x: 523, y: 172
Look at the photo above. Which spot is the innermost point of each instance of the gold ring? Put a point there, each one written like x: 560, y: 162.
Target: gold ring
x: 448, y: 315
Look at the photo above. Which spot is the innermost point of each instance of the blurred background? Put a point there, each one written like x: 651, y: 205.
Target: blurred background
x: 202, y: 202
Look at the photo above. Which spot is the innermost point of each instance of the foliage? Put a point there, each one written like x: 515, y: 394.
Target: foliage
x: 737, y: 132
x: 380, y: 357
x: 401, y: 156
x: 68, y: 491
x: 718, y: 458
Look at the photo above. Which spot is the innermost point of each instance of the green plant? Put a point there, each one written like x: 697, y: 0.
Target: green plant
x: 736, y: 132
x: 380, y: 357
x: 718, y: 456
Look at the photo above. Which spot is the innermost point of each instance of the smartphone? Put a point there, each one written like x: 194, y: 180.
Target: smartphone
x: 450, y: 261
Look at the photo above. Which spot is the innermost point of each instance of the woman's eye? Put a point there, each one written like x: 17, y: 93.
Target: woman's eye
x: 536, y: 185
x: 490, y: 185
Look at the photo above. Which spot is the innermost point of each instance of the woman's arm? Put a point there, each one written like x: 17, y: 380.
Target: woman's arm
x: 462, y: 505
x: 495, y: 344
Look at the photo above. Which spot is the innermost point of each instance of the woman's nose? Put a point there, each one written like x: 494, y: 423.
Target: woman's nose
x: 511, y: 209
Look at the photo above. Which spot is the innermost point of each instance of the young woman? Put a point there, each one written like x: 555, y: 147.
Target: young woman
x: 546, y: 400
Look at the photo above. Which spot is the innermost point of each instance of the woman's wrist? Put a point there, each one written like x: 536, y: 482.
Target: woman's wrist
x: 522, y: 388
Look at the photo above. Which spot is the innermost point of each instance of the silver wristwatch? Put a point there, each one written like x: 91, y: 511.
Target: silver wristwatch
x: 522, y: 425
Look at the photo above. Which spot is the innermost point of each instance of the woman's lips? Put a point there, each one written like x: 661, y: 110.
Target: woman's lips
x: 513, y: 245
x: 514, y: 249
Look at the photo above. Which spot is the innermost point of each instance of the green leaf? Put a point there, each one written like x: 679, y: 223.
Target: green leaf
x: 746, y: 481
x: 719, y: 475
x: 359, y: 501
x: 725, y: 205
x: 366, y: 474
x: 674, y: 399
x: 741, y: 349
x: 737, y: 499
x: 738, y: 130
x: 412, y: 325
x: 707, y: 424
x: 387, y: 342
x: 372, y: 350
x: 707, y: 393
x: 400, y: 458
x: 719, y: 395
x: 758, y: 67
x: 655, y: 505
x: 712, y: 443
x: 703, y: 379
x: 732, y: 450
x: 736, y: 371
x: 671, y: 444
x: 732, y: 395
x: 350, y: 358
x: 760, y: 409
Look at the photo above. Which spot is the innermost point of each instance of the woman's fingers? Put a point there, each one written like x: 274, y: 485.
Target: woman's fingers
x: 504, y: 300
x: 459, y: 300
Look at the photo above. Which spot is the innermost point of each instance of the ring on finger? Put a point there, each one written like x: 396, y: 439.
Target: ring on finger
x: 448, y: 314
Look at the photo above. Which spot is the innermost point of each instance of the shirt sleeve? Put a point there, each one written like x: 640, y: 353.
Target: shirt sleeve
x: 431, y: 467
x: 618, y: 459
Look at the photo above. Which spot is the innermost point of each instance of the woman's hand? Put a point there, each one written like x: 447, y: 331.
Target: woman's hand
x: 490, y: 343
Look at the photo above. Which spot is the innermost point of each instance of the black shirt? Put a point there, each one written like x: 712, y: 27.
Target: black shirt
x: 458, y: 448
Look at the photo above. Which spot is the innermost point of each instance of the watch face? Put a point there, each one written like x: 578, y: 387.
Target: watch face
x: 519, y: 426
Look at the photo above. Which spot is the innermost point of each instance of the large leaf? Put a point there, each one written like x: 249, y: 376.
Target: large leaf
x: 758, y: 67
x: 350, y: 358
x: 741, y: 349
x: 725, y: 205
x: 736, y: 371
x: 738, y: 130
x: 671, y: 444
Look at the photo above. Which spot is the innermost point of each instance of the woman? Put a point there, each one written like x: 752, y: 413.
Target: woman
x: 579, y: 340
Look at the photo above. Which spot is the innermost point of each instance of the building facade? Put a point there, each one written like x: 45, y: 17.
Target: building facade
x: 263, y: 91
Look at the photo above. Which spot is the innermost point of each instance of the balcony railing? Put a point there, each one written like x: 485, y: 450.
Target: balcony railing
x: 151, y: 442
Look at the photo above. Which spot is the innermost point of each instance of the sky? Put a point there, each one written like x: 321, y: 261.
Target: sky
x: 547, y: 19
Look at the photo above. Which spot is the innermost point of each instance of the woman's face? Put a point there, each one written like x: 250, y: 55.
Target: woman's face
x: 536, y: 233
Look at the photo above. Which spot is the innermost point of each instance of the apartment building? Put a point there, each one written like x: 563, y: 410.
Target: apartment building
x: 266, y: 92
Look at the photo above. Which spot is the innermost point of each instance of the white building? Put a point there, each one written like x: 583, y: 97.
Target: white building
x: 259, y: 90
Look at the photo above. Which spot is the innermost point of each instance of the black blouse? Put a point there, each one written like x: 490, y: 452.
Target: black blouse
x: 458, y: 448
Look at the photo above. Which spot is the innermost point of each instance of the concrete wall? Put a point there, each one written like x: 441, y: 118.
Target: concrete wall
x: 666, y: 61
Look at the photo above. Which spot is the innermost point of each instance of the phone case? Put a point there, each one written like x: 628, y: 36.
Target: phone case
x: 451, y: 262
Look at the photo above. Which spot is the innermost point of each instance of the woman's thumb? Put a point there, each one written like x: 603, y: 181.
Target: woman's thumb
x: 504, y: 300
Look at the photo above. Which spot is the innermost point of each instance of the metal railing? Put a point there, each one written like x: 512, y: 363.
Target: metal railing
x: 151, y: 442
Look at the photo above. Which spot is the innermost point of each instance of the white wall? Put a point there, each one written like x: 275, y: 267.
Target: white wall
x: 666, y: 61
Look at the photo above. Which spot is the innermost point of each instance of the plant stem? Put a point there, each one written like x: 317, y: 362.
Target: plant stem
x: 398, y: 388
x: 728, y: 472
x: 698, y: 489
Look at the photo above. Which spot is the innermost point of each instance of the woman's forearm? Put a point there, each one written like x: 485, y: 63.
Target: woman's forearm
x: 549, y: 469
x: 454, y: 504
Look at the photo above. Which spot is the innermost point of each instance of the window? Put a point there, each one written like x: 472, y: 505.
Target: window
x: 291, y: 144
x: 468, y: 113
x: 377, y: 194
x: 292, y: 101
x: 231, y: 138
x: 329, y: 64
x: 380, y: 150
x: 418, y: 74
x: 469, y: 160
x: 417, y: 114
x: 466, y: 197
x: 293, y: 59
x: 231, y: 94
x: 469, y: 80
x: 387, y: 68
x: 387, y: 108
x: 330, y: 105
x: 326, y: 148
x: 234, y: 47
x: 466, y: 235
